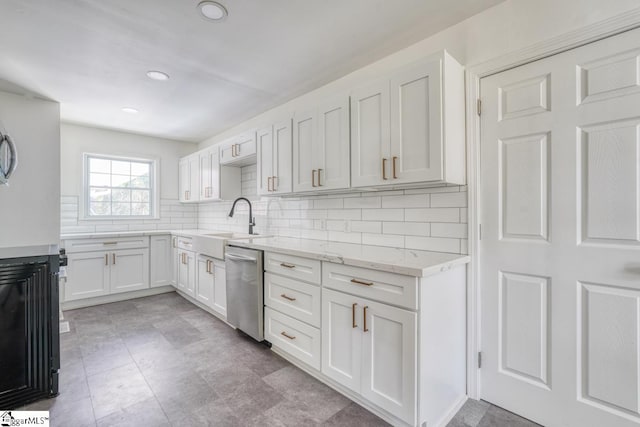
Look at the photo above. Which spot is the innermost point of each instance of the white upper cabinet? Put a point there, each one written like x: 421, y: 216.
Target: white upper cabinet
x: 274, y: 159
x: 217, y: 182
x: 321, y: 147
x: 409, y: 128
x: 370, y: 133
x: 189, y: 178
x: 304, y: 140
x: 239, y: 150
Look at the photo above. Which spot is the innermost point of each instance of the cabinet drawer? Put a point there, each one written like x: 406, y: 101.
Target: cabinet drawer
x: 293, y: 337
x: 297, y: 299
x: 295, y: 267
x: 381, y: 286
x: 183, y: 243
x: 106, y: 244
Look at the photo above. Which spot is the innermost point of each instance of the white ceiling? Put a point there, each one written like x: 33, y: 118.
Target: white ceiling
x: 92, y: 55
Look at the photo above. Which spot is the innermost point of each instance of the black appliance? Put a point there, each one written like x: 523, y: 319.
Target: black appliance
x: 29, y: 329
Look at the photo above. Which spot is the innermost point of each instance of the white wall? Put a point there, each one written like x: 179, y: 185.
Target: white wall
x: 29, y: 206
x: 77, y: 140
x: 429, y: 218
x: 501, y: 29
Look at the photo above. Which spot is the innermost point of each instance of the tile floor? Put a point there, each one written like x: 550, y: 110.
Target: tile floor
x: 161, y: 361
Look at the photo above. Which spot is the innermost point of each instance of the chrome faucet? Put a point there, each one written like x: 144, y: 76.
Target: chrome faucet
x: 252, y: 220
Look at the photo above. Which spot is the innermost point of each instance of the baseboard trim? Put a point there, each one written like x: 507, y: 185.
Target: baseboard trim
x: 107, y: 299
x: 453, y: 410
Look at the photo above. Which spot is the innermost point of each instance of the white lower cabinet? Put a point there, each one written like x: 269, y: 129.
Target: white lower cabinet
x: 87, y: 275
x: 212, y: 284
x: 99, y: 273
x: 161, y: 261
x: 187, y: 272
x: 371, y: 349
x: 129, y: 270
x: 293, y: 336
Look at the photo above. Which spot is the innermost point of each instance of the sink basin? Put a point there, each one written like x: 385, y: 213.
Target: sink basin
x: 213, y: 244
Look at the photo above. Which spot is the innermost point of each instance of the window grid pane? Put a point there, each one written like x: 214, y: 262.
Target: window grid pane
x: 118, y: 187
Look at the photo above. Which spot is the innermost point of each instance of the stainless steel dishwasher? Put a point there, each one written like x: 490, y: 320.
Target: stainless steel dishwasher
x: 245, y: 293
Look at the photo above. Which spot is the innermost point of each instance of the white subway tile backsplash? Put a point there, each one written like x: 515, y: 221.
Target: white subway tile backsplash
x: 432, y: 215
x: 362, y: 202
x: 437, y: 244
x: 406, y: 201
x: 383, y: 240
x: 407, y: 228
x: 449, y: 230
x: 366, y: 227
x: 449, y: 200
x: 383, y: 214
x: 328, y: 204
x: 338, y: 236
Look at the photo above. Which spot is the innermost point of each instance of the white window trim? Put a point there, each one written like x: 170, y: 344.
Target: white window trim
x: 155, y: 190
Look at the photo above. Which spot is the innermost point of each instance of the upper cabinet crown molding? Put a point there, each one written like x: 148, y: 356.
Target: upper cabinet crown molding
x: 409, y: 127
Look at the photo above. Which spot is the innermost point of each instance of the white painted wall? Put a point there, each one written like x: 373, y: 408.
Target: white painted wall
x: 29, y: 206
x: 504, y: 28
x: 77, y: 140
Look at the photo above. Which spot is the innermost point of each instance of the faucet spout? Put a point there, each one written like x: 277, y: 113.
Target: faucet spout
x: 252, y: 220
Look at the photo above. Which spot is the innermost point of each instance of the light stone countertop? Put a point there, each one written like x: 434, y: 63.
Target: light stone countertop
x: 112, y: 234
x: 394, y: 260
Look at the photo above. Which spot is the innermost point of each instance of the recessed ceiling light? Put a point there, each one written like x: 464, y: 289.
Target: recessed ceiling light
x: 130, y: 110
x: 212, y: 10
x: 157, y: 75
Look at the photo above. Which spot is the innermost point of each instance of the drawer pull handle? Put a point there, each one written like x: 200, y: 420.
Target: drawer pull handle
x: 284, y: 264
x: 384, y: 169
x: 353, y: 315
x: 287, y: 335
x: 114, y: 258
x: 360, y: 282
x: 364, y: 318
x: 285, y: 296
x: 269, y: 183
x: 110, y: 243
x: 394, y: 160
x: 106, y: 259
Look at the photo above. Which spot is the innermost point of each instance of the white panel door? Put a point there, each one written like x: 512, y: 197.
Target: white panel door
x: 282, y: 158
x: 264, y: 160
x: 389, y: 367
x: 416, y: 123
x: 332, y: 151
x: 560, y: 247
x: 129, y: 270
x: 204, y: 291
x: 304, y: 141
x: 370, y: 135
x: 220, y: 288
x: 87, y: 275
x: 341, y: 338
x: 186, y: 272
x: 161, y: 261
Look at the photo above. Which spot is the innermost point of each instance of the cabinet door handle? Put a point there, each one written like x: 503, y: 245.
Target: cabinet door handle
x: 353, y: 315
x: 269, y: 183
x: 114, y: 258
x: 393, y: 164
x: 237, y: 150
x: 106, y: 259
x: 319, y: 180
x: 285, y: 265
x: 364, y: 318
x: 175, y: 239
x: 287, y: 297
x: 233, y: 150
x: 384, y: 168
x: 273, y: 185
x: 287, y: 335
x: 360, y: 282
x: 313, y: 178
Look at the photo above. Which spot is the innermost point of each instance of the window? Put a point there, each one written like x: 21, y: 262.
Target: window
x: 118, y: 187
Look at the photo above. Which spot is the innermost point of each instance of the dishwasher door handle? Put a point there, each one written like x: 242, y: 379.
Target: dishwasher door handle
x: 241, y: 258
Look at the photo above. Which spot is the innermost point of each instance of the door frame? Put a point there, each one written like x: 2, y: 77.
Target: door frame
x: 570, y: 40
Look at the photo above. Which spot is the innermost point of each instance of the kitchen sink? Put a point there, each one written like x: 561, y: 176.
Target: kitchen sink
x: 214, y: 244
